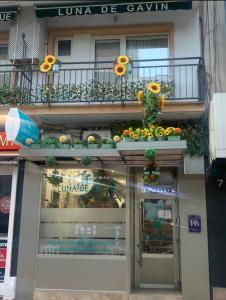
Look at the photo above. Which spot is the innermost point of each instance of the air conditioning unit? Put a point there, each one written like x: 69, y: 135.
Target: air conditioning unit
x: 98, y: 134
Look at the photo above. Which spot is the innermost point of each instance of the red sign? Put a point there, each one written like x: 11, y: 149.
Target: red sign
x: 3, y: 257
x: 5, y: 205
x: 6, y: 145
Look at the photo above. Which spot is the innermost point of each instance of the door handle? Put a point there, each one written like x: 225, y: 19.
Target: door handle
x: 141, y: 226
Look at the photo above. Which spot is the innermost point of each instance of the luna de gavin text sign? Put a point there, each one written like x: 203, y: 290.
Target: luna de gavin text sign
x: 111, y: 8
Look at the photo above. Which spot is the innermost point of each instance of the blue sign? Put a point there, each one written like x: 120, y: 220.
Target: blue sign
x: 20, y: 128
x: 194, y: 223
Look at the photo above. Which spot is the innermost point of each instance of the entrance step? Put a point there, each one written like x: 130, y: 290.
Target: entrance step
x: 156, y: 295
x: 138, y: 295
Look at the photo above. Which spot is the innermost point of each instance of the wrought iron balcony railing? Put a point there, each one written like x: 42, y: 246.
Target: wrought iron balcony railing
x: 95, y: 82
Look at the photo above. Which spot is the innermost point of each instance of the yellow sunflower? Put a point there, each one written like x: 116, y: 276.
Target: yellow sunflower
x: 139, y: 97
x: 120, y: 70
x: 131, y: 135
x: 45, y: 67
x: 51, y: 59
x: 162, y: 102
x: 62, y: 139
x: 135, y: 136
x: 154, y: 87
x: 123, y: 60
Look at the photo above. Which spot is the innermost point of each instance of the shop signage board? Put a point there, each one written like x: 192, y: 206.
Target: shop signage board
x: 5, y: 145
x: 8, y: 13
x: 108, y: 7
x: 194, y: 223
x: 19, y: 127
x: 3, y: 251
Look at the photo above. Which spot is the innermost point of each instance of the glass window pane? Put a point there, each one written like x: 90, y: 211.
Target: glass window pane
x: 5, y: 196
x: 64, y: 48
x: 148, y: 48
x: 3, y: 52
x: 83, y: 212
x: 157, y: 227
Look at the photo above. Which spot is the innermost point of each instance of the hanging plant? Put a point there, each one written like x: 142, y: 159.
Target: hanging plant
x: 150, y: 154
x: 85, y: 161
x: 151, y: 173
x: 50, y: 161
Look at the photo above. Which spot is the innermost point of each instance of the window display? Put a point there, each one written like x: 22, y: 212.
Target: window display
x: 83, y: 212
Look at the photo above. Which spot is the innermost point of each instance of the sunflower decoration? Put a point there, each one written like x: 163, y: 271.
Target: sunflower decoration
x: 120, y: 70
x: 123, y: 60
x: 139, y: 97
x: 50, y: 63
x: 151, y: 170
x: 122, y: 66
x: 154, y: 87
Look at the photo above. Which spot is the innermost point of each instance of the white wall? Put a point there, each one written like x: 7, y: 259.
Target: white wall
x: 194, y: 246
x: 186, y: 26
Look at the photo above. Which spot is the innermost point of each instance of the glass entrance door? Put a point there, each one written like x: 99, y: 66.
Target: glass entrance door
x: 156, y: 243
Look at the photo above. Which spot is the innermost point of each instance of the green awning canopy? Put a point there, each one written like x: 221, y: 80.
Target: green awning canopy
x: 8, y: 13
x: 108, y: 7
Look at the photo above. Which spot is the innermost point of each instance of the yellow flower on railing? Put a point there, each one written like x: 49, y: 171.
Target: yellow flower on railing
x: 120, y: 70
x: 123, y: 60
x: 62, y: 139
x: 45, y: 67
x: 51, y: 59
x: 154, y: 87
x: 162, y: 102
x: 139, y: 97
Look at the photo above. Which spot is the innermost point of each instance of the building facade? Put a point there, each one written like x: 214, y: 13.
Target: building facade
x: 107, y: 234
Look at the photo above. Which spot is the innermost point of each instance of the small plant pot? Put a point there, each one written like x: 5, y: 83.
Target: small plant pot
x: 35, y: 146
x: 50, y: 146
x: 174, y: 138
x: 107, y: 146
x: 127, y: 139
x: 65, y: 146
x: 150, y: 139
x: 78, y: 146
x: 93, y: 146
x: 160, y: 138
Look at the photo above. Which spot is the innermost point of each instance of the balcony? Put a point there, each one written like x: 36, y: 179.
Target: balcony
x: 182, y: 79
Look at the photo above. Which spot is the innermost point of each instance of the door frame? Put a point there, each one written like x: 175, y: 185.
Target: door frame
x: 141, y: 195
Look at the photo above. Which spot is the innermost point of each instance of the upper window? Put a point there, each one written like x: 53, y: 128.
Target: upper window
x: 147, y: 47
x: 3, y: 51
x: 107, y: 50
x: 64, y: 48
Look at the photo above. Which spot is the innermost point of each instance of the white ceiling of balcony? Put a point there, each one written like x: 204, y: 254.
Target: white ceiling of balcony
x: 169, y: 153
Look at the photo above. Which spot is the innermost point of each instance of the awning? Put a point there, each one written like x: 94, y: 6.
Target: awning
x: 108, y: 7
x: 8, y: 13
x: 169, y: 153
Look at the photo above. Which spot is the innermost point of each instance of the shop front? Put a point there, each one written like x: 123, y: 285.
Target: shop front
x: 99, y: 228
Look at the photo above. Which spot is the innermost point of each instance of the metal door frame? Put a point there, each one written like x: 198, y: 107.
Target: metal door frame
x: 141, y: 196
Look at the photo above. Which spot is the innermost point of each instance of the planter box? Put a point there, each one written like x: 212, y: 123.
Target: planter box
x: 65, y: 146
x: 127, y: 139
x: 173, y: 138
x: 35, y: 146
x: 93, y: 146
x: 78, y: 146
x: 160, y: 138
x: 50, y: 146
x: 150, y: 139
x: 107, y: 146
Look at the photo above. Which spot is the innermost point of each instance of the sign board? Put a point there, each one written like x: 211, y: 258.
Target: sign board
x: 194, y: 223
x: 108, y: 7
x: 8, y: 13
x: 5, y: 145
x: 19, y: 127
x: 3, y: 251
x: 80, y: 183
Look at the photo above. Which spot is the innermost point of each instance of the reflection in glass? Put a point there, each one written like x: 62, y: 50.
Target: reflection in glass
x: 157, y: 227
x: 83, y: 212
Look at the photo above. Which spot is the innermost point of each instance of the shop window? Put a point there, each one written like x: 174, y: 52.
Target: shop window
x: 83, y: 212
x: 5, y: 196
x: 64, y: 47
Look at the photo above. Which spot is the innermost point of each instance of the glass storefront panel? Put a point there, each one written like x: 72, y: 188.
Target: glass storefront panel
x: 83, y: 212
x: 5, y: 197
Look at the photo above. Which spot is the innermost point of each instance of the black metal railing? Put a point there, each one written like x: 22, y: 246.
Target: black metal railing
x: 95, y: 82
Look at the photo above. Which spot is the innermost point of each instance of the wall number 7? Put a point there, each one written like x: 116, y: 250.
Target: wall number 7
x: 220, y: 182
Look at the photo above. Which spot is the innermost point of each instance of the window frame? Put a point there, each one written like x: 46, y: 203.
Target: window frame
x: 56, y: 47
